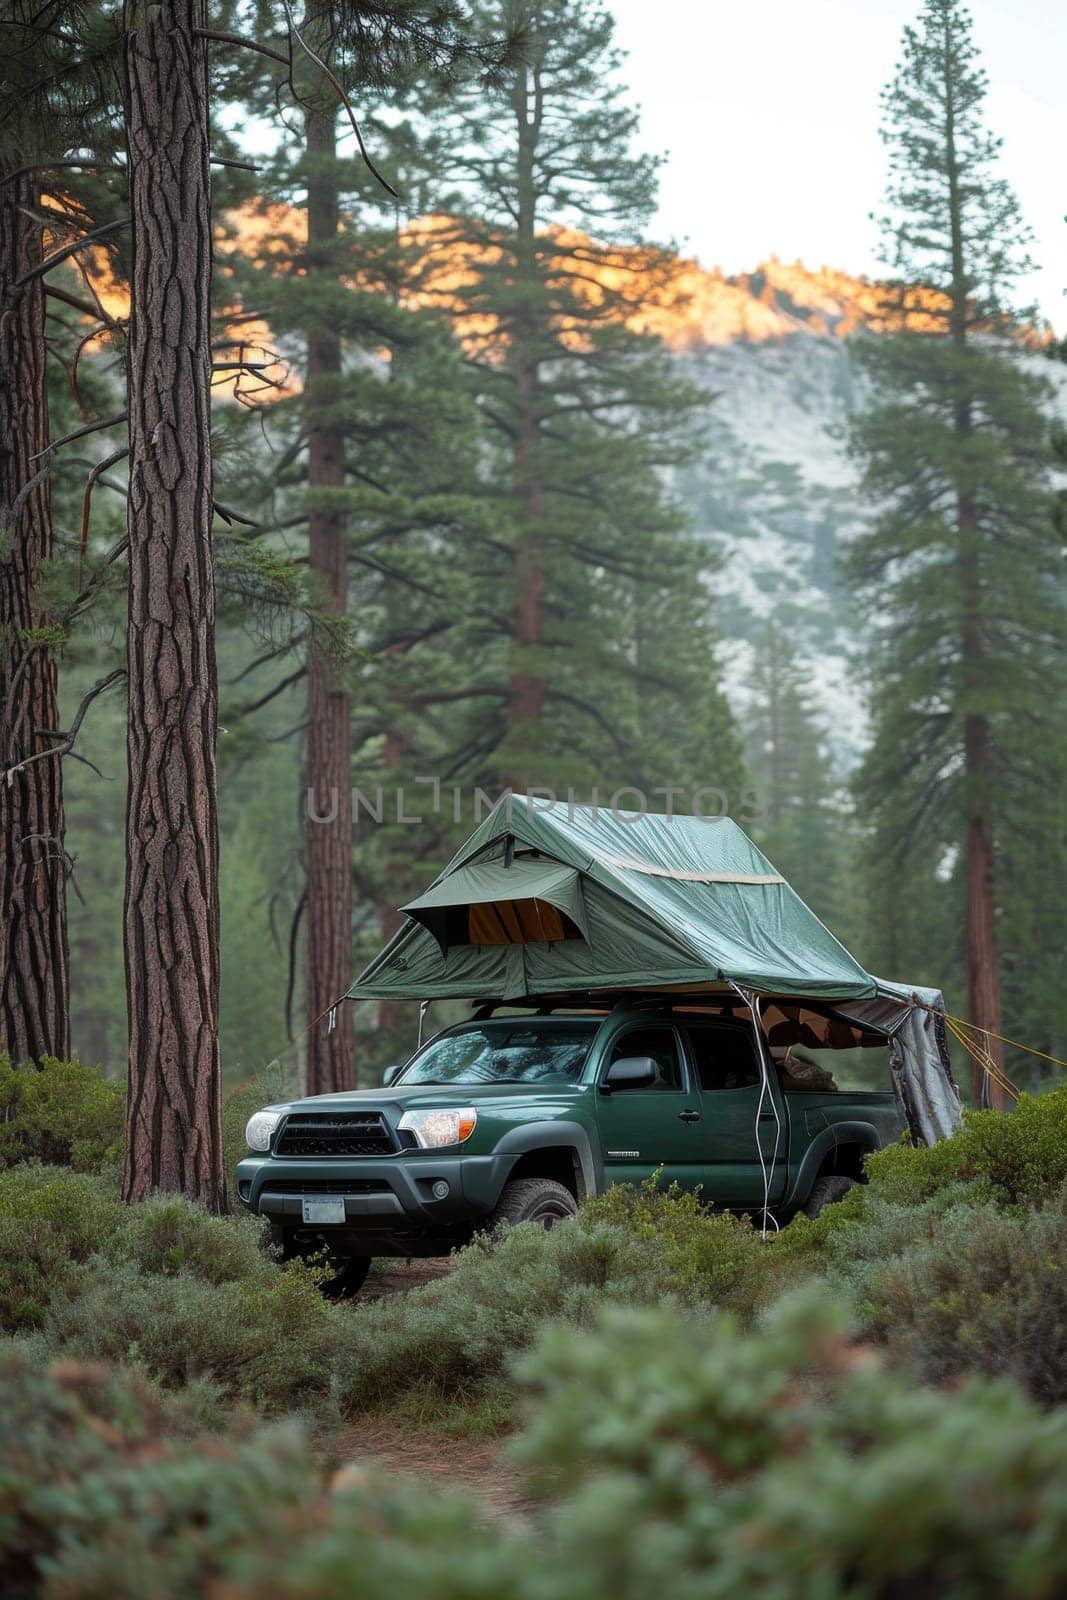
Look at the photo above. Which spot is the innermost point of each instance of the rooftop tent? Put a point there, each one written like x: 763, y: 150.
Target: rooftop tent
x: 633, y: 901
x: 576, y: 900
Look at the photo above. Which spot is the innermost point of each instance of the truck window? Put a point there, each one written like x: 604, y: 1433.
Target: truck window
x: 518, y: 1052
x: 659, y: 1043
x: 725, y: 1056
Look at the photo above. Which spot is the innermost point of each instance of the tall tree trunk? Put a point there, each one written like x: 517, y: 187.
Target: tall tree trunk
x: 34, y: 1004
x: 983, y: 962
x: 331, y: 1054
x: 526, y: 684
x: 173, y: 1122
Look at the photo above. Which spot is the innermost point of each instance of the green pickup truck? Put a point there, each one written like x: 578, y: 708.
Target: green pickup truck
x: 518, y: 1117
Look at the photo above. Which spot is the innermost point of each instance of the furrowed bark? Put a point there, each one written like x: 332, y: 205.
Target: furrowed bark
x: 34, y: 1001
x: 173, y: 1128
x: 330, y: 1053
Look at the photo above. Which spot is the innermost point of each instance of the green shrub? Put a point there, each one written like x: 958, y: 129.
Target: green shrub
x: 268, y: 1339
x: 681, y: 1456
x: 50, y: 1219
x: 169, y: 1236
x: 790, y: 1463
x: 1020, y: 1156
x: 458, y: 1333
x: 100, y: 1496
x: 61, y: 1112
x: 975, y: 1290
x: 184, y: 1296
x: 720, y: 1258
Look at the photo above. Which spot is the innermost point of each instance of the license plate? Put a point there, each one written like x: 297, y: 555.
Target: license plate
x: 324, y: 1211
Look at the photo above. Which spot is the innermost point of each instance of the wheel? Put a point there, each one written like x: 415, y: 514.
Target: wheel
x: 541, y: 1201
x: 824, y: 1191
x: 347, y: 1274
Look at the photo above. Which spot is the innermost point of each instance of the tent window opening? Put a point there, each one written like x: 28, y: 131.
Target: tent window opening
x: 510, y: 922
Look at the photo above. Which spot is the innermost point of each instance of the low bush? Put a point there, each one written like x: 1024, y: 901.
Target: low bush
x: 456, y: 1336
x: 106, y: 1492
x: 679, y: 1456
x: 719, y: 1463
x: 50, y: 1220
x: 268, y: 1340
x: 717, y: 1258
x: 1021, y: 1158
x: 162, y: 1286
x: 975, y: 1290
x: 61, y: 1112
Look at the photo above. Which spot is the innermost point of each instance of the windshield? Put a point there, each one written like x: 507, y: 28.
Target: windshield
x: 522, y: 1052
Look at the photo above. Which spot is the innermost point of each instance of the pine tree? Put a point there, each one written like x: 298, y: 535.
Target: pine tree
x: 34, y: 1019
x: 174, y: 1132
x: 54, y: 78
x: 958, y: 570
x: 537, y: 251
x: 373, y: 457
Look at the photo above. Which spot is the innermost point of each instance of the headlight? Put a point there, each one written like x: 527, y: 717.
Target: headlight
x: 433, y: 1129
x: 259, y: 1129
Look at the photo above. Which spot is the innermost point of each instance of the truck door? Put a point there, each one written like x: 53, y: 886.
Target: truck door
x: 657, y: 1125
x: 727, y: 1068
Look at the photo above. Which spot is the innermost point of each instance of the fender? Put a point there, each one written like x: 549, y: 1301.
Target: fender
x: 540, y: 1135
x: 824, y: 1143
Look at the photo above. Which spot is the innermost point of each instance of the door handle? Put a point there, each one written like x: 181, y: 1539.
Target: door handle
x: 688, y: 1116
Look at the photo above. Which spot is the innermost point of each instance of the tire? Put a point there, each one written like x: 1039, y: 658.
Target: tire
x: 825, y: 1191
x: 541, y: 1201
x: 347, y: 1274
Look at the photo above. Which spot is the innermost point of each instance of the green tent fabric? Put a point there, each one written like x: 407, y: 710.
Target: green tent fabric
x: 664, y: 901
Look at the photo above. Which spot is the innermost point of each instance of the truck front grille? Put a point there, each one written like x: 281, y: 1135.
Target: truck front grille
x: 317, y: 1186
x: 337, y: 1133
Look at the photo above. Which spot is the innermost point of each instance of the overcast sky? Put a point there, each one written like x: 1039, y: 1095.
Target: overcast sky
x: 769, y: 114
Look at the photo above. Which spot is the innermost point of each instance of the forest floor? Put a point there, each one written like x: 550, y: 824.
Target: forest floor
x: 432, y: 1456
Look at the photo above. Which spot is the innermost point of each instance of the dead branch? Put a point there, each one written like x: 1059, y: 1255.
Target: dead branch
x: 26, y: 490
x: 272, y: 694
x: 55, y: 293
x: 90, y: 483
x: 336, y: 84
x: 93, y: 237
x: 50, y: 166
x: 79, y: 433
x: 69, y: 737
x: 243, y: 44
x: 229, y: 515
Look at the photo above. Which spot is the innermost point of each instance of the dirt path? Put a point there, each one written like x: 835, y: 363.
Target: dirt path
x: 432, y: 1457
x: 480, y: 1467
x: 390, y: 1277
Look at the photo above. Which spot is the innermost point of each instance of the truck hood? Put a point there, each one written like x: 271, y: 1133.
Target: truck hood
x: 435, y: 1096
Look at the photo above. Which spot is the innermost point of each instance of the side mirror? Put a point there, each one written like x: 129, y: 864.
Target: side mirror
x: 389, y: 1075
x: 630, y: 1072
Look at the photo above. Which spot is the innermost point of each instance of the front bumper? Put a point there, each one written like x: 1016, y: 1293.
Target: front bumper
x: 380, y: 1192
